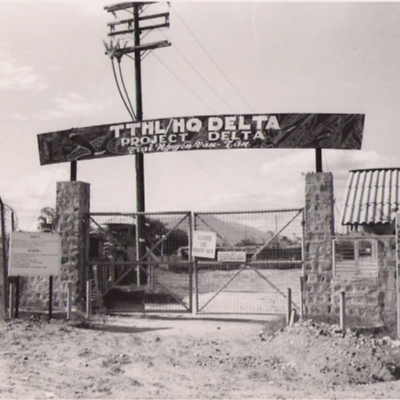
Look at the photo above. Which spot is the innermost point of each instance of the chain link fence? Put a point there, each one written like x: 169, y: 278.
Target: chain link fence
x: 167, y: 278
x: 159, y: 280
x: 272, y: 242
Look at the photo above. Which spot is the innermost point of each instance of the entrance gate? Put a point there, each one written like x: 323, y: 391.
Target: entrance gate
x: 160, y: 281
x: 168, y: 279
x: 273, y: 244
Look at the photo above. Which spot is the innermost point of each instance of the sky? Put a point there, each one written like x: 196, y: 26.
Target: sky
x: 224, y: 58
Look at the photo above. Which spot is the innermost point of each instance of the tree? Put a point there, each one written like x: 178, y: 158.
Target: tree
x: 47, y: 219
x: 171, y: 240
x: 246, y: 242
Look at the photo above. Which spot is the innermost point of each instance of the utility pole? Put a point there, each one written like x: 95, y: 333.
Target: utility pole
x: 318, y: 159
x: 136, y: 26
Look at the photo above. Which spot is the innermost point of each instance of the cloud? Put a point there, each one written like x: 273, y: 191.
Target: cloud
x: 33, y: 192
x: 340, y: 162
x: 19, y: 117
x: 287, y: 162
x: 284, y: 174
x: 71, y: 104
x: 14, y: 76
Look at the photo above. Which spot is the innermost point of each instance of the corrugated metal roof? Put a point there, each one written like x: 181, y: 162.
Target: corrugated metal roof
x: 372, y: 196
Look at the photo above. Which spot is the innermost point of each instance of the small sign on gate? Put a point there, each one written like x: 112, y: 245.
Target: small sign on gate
x: 232, y: 256
x: 204, y: 244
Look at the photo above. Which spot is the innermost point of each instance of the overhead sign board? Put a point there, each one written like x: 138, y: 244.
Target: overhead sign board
x: 217, y: 132
x: 35, y: 254
x: 204, y: 244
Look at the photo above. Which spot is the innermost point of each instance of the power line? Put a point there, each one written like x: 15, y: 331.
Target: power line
x: 180, y: 80
x: 226, y: 183
x: 125, y: 90
x: 203, y: 79
x: 93, y: 92
x: 120, y: 91
x: 193, y: 158
x: 198, y: 73
x: 212, y: 60
x: 200, y: 163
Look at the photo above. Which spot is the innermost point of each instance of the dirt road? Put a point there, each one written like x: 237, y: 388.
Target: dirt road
x: 179, y: 358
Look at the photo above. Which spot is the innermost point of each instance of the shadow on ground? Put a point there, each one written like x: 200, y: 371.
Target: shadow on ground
x: 116, y: 328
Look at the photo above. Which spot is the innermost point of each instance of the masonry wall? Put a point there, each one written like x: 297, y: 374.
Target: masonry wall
x: 369, y: 301
x: 72, y: 205
x: 372, y: 301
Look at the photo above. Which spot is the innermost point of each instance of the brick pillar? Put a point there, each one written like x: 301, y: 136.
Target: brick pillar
x: 72, y: 204
x: 319, y: 228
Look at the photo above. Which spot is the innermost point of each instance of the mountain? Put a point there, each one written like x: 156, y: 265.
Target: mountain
x: 228, y: 233
x: 231, y: 233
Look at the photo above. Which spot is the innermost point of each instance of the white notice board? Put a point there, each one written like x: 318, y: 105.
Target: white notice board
x: 34, y: 254
x: 232, y: 256
x: 204, y: 244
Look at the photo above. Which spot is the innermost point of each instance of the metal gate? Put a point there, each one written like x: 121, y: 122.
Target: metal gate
x: 273, y: 245
x: 167, y: 279
x: 160, y: 281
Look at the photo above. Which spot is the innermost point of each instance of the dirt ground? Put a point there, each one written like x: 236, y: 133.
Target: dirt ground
x: 142, y: 357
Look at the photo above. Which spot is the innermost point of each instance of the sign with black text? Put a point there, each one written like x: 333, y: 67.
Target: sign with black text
x: 232, y: 256
x: 35, y: 254
x: 204, y: 244
x: 216, y: 132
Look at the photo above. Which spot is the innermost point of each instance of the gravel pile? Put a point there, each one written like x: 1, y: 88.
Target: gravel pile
x: 323, y: 353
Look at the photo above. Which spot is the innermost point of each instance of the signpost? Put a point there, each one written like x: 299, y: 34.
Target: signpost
x: 35, y: 254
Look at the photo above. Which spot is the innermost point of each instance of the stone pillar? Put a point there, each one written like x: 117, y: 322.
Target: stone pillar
x: 319, y: 228
x: 72, y: 206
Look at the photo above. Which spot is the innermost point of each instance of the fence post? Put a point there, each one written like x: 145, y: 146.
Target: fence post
x: 69, y: 300
x: 342, y: 311
x: 12, y: 299
x: 289, y: 305
x: 17, y: 293
x: 4, y: 278
x: 196, y: 291
x: 88, y: 300
x: 301, y: 297
x: 292, y: 317
x: 50, y: 297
